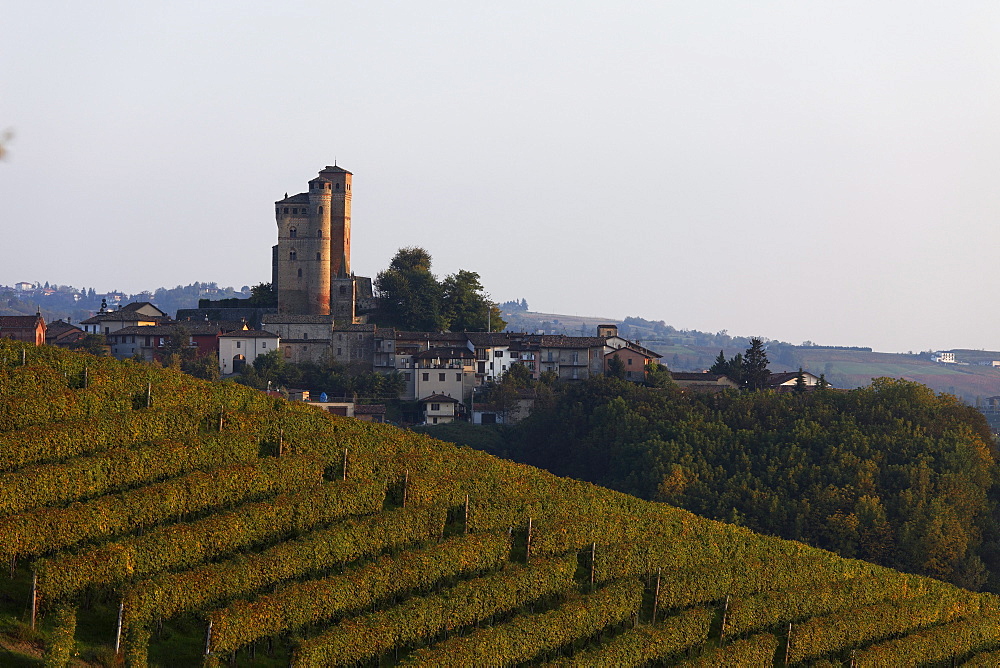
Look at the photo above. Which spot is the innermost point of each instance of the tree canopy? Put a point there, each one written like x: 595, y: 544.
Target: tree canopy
x: 411, y: 297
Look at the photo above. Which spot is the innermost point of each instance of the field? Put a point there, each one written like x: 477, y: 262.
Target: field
x: 192, y: 523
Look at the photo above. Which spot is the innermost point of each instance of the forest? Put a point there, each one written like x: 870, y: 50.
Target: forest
x: 891, y: 473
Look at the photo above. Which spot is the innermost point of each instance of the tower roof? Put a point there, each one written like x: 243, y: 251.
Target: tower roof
x: 335, y: 169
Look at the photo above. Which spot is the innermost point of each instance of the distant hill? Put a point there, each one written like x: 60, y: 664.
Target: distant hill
x: 261, y: 533
x: 845, y: 367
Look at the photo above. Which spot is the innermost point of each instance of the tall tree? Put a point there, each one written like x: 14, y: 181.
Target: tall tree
x: 409, y: 294
x: 755, y: 371
x: 465, y: 306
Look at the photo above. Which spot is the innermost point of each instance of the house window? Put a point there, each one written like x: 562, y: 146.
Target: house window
x: 406, y: 377
x: 292, y: 255
x: 239, y: 344
x: 295, y: 211
x: 337, y: 186
x: 317, y: 257
x: 435, y: 407
x: 293, y: 233
x: 441, y: 377
x: 300, y: 273
x: 339, y: 351
x: 458, y: 377
x: 305, y: 335
x: 434, y: 420
x: 320, y: 212
x: 425, y: 376
x: 497, y: 353
x: 630, y: 361
x: 263, y: 344
x: 286, y: 209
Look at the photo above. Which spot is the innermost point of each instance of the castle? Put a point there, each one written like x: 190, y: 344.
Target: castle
x: 311, y: 263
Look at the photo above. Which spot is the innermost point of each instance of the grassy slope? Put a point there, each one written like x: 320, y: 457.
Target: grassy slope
x: 701, y: 561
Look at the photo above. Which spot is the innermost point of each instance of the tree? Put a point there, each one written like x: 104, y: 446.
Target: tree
x: 409, y: 294
x: 465, y: 307
x: 657, y: 375
x: 800, y: 382
x: 755, y: 371
x: 721, y: 366
x: 263, y: 295
x: 616, y: 368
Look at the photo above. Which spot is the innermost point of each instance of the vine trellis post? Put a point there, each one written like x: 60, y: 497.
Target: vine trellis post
x: 34, y: 598
x: 118, y: 628
x: 656, y: 593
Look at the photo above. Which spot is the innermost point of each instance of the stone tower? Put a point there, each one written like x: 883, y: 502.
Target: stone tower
x: 314, y: 247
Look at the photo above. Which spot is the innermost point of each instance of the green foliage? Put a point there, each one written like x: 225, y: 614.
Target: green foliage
x: 891, y: 473
x: 368, y: 636
x: 49, y: 529
x: 59, y: 649
x: 263, y: 295
x: 822, y: 635
x: 315, y: 601
x: 755, y: 372
x: 754, y: 651
x: 526, y: 636
x: 412, y: 299
x: 254, y: 542
x: 649, y: 642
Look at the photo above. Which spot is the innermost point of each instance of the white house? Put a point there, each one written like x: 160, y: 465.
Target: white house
x: 237, y: 349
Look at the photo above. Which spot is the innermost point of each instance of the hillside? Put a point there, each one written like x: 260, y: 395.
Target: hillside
x: 266, y: 533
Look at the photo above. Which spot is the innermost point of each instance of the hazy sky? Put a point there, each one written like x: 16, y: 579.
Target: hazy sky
x: 798, y: 170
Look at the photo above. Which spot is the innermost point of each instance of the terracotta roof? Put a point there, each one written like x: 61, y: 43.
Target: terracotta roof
x: 445, y: 353
x: 301, y: 198
x: 250, y: 334
x: 354, y: 328
x: 369, y: 409
x: 440, y: 398
x: 19, y: 321
x: 337, y: 169
x: 135, y: 306
x: 696, y: 376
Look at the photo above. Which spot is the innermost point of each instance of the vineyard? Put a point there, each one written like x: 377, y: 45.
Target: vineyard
x: 147, y: 518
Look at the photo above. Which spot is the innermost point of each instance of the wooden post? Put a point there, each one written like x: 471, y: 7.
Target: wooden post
x: 656, y: 593
x: 86, y: 376
x: 222, y: 413
x: 593, y: 563
x: 788, y: 643
x: 149, y: 395
x: 281, y: 441
x: 406, y: 483
x: 24, y: 361
x: 118, y: 628
x: 208, y: 639
x: 725, y: 613
x: 34, y: 598
x: 527, y: 543
x: 345, y: 464
x: 466, y: 513
x: 13, y: 566
x: 852, y: 659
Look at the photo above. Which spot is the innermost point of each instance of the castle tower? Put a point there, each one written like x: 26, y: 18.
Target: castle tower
x: 313, y: 248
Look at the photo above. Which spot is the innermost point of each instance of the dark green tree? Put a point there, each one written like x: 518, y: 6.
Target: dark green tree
x: 263, y: 295
x: 616, y: 368
x: 755, y: 371
x: 409, y: 294
x: 465, y: 306
x: 800, y: 382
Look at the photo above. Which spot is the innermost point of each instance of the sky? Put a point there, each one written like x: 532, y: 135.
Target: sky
x: 823, y: 171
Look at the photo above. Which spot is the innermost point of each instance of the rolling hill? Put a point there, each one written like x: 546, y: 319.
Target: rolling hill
x: 198, y: 524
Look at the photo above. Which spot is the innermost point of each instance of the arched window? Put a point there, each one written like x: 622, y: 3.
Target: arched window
x: 292, y: 232
x: 320, y: 211
x: 300, y: 273
x: 292, y: 255
x: 320, y: 234
x: 338, y: 186
x: 318, y: 257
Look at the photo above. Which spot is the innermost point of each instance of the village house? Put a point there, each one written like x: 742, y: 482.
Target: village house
x: 241, y: 347
x: 136, y: 314
x: 27, y: 328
